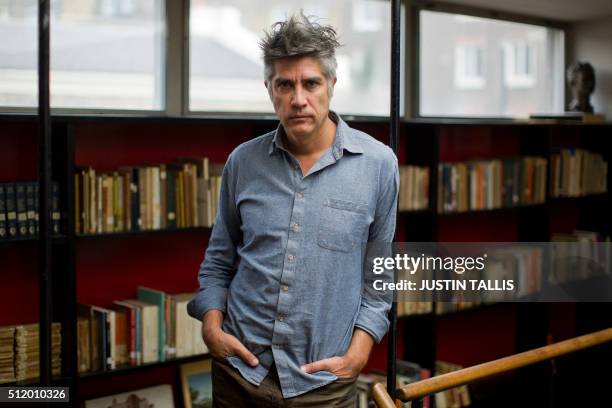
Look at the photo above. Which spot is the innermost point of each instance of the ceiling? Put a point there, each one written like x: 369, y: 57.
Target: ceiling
x: 562, y: 10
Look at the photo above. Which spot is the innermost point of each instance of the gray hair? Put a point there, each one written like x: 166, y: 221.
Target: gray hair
x: 300, y: 37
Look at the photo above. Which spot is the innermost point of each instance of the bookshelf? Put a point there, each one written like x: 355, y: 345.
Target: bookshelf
x: 100, y: 268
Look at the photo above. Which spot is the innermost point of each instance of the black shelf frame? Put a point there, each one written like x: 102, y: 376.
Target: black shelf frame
x: 90, y: 376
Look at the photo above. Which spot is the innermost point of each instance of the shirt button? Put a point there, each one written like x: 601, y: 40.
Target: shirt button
x: 295, y: 226
x: 300, y: 195
x: 290, y: 257
x: 281, y: 318
x: 285, y: 288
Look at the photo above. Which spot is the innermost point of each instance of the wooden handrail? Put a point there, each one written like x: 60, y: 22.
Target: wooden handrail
x: 482, y: 371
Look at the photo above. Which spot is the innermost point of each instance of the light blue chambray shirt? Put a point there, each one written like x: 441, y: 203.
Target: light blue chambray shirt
x: 298, y: 291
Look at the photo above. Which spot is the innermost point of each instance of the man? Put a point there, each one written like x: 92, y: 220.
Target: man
x: 294, y: 322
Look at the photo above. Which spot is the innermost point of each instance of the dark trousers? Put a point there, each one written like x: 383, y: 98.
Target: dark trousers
x: 230, y: 390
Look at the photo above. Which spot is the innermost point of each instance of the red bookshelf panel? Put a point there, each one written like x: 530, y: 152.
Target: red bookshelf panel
x: 479, y: 226
x: 563, y: 216
x: 378, y: 357
x: 19, y: 272
x: 474, y: 337
x: 18, y: 152
x: 460, y: 143
x: 111, y: 269
x: 106, y: 146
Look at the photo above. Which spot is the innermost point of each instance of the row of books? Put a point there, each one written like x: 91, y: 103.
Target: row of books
x: 19, y: 210
x: 577, y: 172
x: 162, y: 196
x: 457, y: 397
x: 490, y: 184
x: 154, y: 327
x: 414, y: 188
x: 523, y: 265
x: 19, y: 352
x: 579, y: 255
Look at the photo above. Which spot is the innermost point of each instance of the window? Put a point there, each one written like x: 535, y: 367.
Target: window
x: 519, y: 69
x: 478, y: 67
x: 105, y: 54
x: 225, y: 66
x: 469, y: 70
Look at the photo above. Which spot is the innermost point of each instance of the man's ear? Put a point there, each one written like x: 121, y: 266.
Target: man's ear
x: 334, y: 81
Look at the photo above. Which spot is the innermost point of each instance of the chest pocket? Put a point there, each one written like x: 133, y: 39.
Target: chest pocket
x: 342, y: 224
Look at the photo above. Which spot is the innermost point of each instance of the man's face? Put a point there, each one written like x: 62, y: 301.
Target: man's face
x: 299, y: 95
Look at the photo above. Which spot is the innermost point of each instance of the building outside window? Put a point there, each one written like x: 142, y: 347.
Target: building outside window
x: 519, y: 61
x: 482, y: 67
x: 469, y: 66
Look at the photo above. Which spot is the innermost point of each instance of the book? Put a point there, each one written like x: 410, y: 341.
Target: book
x: 157, y: 298
x: 3, y: 229
x: 83, y: 345
x: 20, y: 206
x: 149, y: 326
x: 133, y: 327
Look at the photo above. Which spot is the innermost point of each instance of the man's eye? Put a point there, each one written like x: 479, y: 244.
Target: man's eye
x: 311, y: 84
x: 283, y: 85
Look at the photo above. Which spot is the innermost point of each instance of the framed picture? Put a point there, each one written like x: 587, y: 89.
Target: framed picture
x: 197, y: 384
x: 153, y: 397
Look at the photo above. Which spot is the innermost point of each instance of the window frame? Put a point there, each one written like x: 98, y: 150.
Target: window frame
x: 417, y: 6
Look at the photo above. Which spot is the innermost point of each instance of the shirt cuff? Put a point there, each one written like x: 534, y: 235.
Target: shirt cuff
x: 373, y: 323
x: 205, y: 300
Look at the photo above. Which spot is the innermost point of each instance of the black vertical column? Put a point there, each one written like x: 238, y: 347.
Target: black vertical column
x: 393, y: 142
x: 44, y: 196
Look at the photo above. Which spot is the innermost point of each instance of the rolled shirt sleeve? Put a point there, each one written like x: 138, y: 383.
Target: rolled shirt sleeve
x: 375, y: 304
x: 219, y: 265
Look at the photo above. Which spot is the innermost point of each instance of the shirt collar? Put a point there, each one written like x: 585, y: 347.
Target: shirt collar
x: 344, y: 140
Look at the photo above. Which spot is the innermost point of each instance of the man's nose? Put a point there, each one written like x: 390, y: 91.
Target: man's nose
x: 299, y: 98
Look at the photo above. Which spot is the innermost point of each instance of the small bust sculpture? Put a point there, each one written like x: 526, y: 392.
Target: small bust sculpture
x: 581, y: 79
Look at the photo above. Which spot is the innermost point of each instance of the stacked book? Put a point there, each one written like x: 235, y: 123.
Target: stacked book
x: 153, y: 327
x: 577, y: 172
x: 19, y: 210
x: 414, y: 188
x: 457, y: 397
x: 149, y: 197
x: 490, y: 184
x: 27, y: 364
x: 7, y: 354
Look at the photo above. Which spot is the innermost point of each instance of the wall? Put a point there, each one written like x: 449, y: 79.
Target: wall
x: 592, y: 41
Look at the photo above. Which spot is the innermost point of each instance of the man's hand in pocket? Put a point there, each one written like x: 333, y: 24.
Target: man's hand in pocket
x: 222, y: 344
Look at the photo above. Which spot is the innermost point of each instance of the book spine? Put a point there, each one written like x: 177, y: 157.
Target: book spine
x: 135, y: 201
x: 131, y: 313
x: 55, y: 208
x: 31, y: 208
x: 3, y: 229
x: 22, y: 214
x: 139, y: 336
x: 163, y: 196
x: 36, y: 208
x: 171, y: 199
